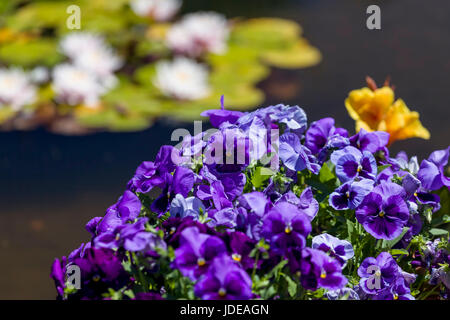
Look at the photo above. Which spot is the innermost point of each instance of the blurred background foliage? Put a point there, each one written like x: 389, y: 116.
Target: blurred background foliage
x: 30, y: 32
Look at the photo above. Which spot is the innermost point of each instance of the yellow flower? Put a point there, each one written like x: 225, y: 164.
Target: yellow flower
x: 375, y: 110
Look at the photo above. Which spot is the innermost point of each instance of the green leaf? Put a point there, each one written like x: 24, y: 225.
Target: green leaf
x: 381, y: 168
x: 399, y: 252
x: 31, y: 53
x: 291, y: 286
x: 261, y: 175
x: 326, y: 173
x: 438, y: 232
x: 388, y: 244
x: 301, y: 55
x: 350, y: 230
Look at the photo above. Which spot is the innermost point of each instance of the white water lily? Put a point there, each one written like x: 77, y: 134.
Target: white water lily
x: 91, y: 52
x: 160, y: 10
x: 198, y: 33
x: 182, y: 79
x: 74, y: 85
x: 16, y: 89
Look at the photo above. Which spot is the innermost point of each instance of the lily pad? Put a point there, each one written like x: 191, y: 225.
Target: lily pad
x: 300, y: 55
x: 30, y: 53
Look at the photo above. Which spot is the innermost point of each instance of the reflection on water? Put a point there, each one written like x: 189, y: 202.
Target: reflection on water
x: 52, y: 185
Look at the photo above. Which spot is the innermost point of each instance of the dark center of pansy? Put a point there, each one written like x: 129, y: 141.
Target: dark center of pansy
x: 172, y: 230
x: 347, y: 194
x: 415, y: 194
x: 381, y: 214
x: 359, y: 169
x: 236, y: 257
x: 222, y: 292
x: 201, y: 262
x: 117, y: 237
x: 323, y: 275
x: 96, y: 278
x: 395, y: 296
x: 288, y: 228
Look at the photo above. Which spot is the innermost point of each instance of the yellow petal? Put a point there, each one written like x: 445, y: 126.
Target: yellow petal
x: 369, y: 107
x: 401, y: 123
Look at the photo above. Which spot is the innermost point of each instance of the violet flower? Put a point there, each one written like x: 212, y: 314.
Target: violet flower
x: 127, y: 208
x: 378, y: 273
x: 341, y: 250
x: 196, y: 252
x: 397, y: 291
x: 186, y: 207
x: 285, y: 226
x: 322, y: 132
x: 181, y: 183
x: 350, y: 194
x: 318, y: 270
x: 225, y: 280
x: 132, y: 237
x: 219, y: 116
x: 351, y: 163
x: 152, y: 174
x: 370, y: 141
x: 295, y: 156
x: 342, y: 294
x: 384, y: 213
x: 306, y: 202
x: 431, y: 172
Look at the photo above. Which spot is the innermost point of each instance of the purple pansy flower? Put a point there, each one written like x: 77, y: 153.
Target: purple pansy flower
x: 384, y: 213
x: 351, y: 163
x: 100, y: 269
x: 378, y: 273
x: 342, y: 294
x: 318, y: 270
x: 58, y: 274
x: 127, y: 208
x: 431, y: 172
x: 181, y: 183
x: 132, y: 237
x: 341, y: 250
x: 323, y: 134
x: 225, y: 217
x: 397, y: 291
x: 292, y: 116
x: 233, y: 182
x: 196, y: 252
x: 186, y: 207
x: 219, y: 116
x: 306, y: 202
x: 285, y: 226
x: 240, y: 247
x: 225, y: 280
x: 152, y: 174
x: 214, y: 193
x: 295, y: 156
x: 369, y: 141
x: 350, y: 194
x: 229, y: 149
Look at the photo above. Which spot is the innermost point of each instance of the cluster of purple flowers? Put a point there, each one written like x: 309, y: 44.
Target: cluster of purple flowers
x: 223, y: 225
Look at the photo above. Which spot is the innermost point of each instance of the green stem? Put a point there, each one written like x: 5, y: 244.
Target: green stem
x: 426, y: 294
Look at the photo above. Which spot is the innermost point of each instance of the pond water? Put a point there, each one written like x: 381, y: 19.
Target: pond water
x: 51, y: 185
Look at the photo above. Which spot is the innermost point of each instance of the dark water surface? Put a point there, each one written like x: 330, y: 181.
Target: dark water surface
x: 51, y: 185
